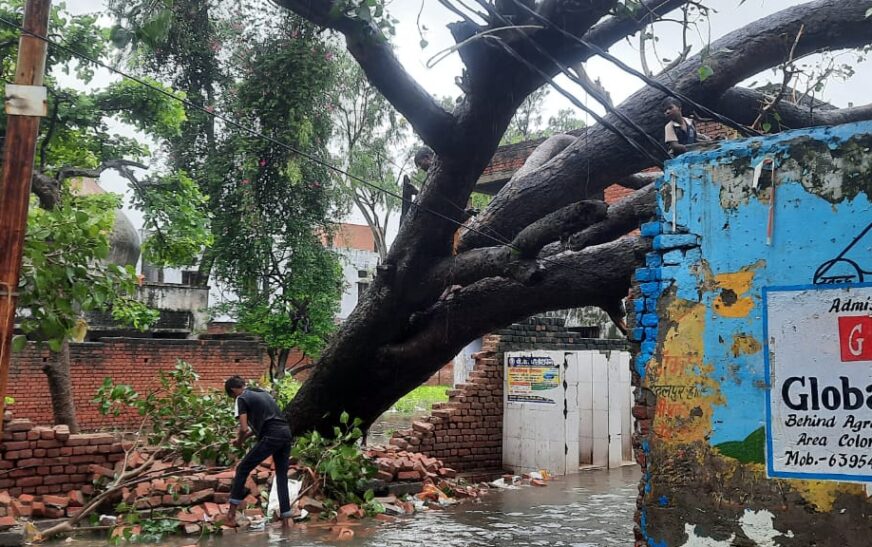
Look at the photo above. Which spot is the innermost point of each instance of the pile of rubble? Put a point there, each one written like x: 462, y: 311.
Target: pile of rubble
x: 406, y: 483
x: 395, y: 464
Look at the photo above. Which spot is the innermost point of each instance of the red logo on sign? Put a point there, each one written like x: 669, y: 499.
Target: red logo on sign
x: 855, y: 338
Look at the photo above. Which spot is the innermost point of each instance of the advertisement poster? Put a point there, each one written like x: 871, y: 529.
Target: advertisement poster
x: 819, y: 361
x: 532, y: 379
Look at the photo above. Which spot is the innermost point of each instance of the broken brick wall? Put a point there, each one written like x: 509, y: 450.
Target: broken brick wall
x: 134, y: 361
x: 749, y: 317
x: 466, y: 432
x: 39, y: 460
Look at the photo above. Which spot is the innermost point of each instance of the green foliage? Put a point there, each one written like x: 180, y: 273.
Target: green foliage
x: 134, y: 313
x: 369, y: 11
x: 151, y: 530
x: 266, y: 206
x: 339, y: 461
x: 197, y: 425
x: 144, y: 108
x: 176, y: 219
x: 479, y: 201
x: 421, y: 399
x: 286, y: 389
x: 64, y: 272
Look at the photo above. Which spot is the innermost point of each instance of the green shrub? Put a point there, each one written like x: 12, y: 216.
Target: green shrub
x: 198, y: 425
x: 339, y: 462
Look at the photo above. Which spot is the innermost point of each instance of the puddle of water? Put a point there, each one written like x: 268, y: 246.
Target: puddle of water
x: 590, y: 509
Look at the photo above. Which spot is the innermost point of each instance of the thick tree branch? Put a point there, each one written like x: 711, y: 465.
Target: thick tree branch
x: 122, y: 166
x: 47, y: 189
x: 743, y: 104
x: 597, y: 276
x: 373, y: 52
x: 558, y: 225
x: 515, y: 261
x: 637, y: 181
x: 585, y: 168
x: 622, y: 218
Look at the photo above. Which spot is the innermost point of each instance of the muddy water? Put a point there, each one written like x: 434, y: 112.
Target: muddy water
x: 591, y: 509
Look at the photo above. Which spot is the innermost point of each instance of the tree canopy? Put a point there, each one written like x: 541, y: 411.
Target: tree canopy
x: 270, y: 208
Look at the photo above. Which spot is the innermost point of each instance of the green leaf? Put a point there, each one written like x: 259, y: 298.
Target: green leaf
x: 868, y: 13
x: 704, y: 72
x: 766, y: 126
x: 343, y: 418
x: 19, y: 341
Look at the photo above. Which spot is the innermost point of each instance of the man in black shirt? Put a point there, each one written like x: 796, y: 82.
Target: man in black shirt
x: 259, y: 412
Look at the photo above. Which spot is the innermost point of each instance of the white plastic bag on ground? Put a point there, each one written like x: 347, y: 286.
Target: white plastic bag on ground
x: 293, y: 493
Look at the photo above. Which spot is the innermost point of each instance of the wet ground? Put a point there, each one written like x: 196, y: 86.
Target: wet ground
x: 591, y: 509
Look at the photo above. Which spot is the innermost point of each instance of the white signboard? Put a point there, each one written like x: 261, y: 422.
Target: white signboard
x: 532, y: 379
x: 819, y: 362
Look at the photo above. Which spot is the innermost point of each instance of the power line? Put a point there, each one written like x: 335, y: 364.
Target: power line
x: 627, y: 68
x: 272, y: 140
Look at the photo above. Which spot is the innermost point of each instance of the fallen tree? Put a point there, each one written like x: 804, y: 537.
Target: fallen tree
x: 430, y: 299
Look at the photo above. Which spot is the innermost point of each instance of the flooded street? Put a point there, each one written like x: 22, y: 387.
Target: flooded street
x: 590, y: 509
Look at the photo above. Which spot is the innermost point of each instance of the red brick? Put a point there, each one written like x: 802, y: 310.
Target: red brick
x: 26, y: 482
x: 76, y: 498
x: 7, y: 523
x: 56, y: 501
x: 409, y: 475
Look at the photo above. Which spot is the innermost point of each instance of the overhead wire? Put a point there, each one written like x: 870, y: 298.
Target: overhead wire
x: 254, y: 133
x: 645, y: 78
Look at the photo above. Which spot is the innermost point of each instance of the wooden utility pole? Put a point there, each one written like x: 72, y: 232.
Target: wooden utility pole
x: 25, y: 104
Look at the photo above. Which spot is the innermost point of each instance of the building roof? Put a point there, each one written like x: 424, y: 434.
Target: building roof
x: 353, y: 236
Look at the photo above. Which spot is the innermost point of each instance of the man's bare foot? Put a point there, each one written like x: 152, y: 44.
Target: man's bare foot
x: 287, y: 523
x: 230, y: 518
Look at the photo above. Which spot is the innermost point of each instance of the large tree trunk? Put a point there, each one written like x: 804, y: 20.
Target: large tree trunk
x: 533, y: 249
x: 60, y: 386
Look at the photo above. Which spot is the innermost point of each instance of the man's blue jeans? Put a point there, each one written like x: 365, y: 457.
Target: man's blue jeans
x: 276, y: 442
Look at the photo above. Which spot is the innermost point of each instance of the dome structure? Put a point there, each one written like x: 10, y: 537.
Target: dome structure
x: 124, y: 243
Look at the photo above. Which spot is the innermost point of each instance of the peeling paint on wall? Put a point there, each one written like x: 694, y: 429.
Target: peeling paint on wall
x: 699, y: 323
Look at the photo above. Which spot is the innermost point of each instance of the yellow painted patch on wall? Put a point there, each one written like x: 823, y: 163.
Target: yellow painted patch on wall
x: 732, y: 300
x: 745, y: 344
x: 822, y: 494
x: 684, y: 385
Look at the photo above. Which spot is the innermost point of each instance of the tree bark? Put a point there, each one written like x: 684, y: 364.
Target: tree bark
x: 60, y: 387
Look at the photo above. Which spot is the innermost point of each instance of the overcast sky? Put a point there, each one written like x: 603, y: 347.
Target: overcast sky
x: 439, y: 80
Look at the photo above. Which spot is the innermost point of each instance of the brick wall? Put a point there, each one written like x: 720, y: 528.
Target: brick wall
x: 48, y: 460
x: 445, y: 376
x: 467, y: 432
x: 134, y: 361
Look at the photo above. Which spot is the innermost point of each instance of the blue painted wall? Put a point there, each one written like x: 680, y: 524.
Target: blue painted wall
x: 701, y: 294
